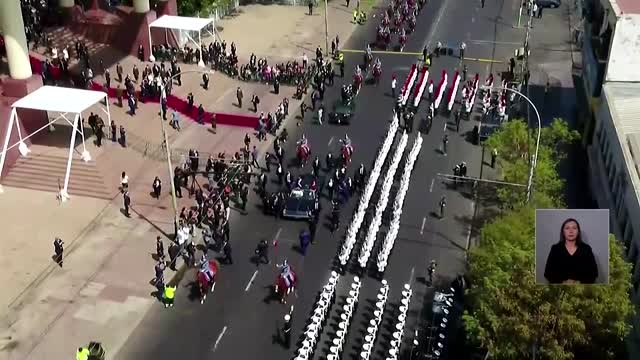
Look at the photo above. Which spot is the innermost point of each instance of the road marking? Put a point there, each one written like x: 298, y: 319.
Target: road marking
x: 431, y: 189
x: 251, y: 281
x: 484, y: 60
x: 413, y: 273
x: 385, y: 52
x: 495, y: 42
x: 424, y: 221
x: 330, y: 141
x: 224, y: 330
x: 445, y: 126
x: 427, y: 43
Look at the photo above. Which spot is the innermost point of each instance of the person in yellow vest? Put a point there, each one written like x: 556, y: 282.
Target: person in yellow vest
x: 169, y: 295
x: 82, y: 354
x: 355, y: 16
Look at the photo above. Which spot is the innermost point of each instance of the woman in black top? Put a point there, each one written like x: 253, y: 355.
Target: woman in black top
x: 571, y: 261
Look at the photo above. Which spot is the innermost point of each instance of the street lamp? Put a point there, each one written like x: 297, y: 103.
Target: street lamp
x: 174, y: 199
x: 534, y: 159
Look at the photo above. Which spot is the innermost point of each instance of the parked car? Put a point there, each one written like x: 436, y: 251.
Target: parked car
x: 549, y: 3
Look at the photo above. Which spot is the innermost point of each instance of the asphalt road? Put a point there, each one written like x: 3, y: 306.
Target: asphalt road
x: 238, y: 321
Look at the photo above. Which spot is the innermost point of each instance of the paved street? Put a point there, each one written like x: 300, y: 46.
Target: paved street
x: 237, y: 313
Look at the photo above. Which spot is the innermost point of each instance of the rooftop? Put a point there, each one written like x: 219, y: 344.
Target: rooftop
x: 625, y: 7
x: 624, y: 105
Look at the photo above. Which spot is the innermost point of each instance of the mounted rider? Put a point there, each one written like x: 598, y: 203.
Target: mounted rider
x: 286, y: 273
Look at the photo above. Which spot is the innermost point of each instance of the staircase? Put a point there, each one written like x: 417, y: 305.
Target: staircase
x: 46, y: 173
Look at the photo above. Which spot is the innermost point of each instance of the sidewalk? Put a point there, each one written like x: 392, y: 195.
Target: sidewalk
x: 103, y: 291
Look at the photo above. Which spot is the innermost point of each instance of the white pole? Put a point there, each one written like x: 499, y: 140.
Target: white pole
x: 326, y: 27
x: 151, y: 57
x: 65, y: 193
x: 200, y: 63
x: 106, y: 98
x: 534, y: 160
x: 7, y: 137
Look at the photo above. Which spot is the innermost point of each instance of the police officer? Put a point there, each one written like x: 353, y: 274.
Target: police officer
x: 442, y: 204
x: 445, y: 141
x: 331, y: 188
x: 316, y: 166
x: 329, y: 161
x: 458, y: 116
x: 169, y: 295
x: 82, y: 354
x: 335, y: 217
x: 286, y: 331
x: 262, y: 250
x: 280, y: 173
x: 263, y: 182
x: 432, y: 270
x: 456, y: 173
x: 244, y: 195
x: 341, y: 62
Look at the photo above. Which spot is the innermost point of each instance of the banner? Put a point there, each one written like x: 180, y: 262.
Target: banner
x: 474, y: 91
x: 440, y: 89
x: 422, y: 85
x: 408, y: 84
x: 453, y: 91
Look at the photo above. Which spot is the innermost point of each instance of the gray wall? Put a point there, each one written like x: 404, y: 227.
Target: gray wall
x: 594, y: 226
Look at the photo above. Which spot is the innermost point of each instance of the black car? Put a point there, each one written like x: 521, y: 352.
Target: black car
x: 303, y: 201
x: 549, y: 3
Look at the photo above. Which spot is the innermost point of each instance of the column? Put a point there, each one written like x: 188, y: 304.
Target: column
x: 141, y: 6
x: 15, y: 40
x: 66, y: 3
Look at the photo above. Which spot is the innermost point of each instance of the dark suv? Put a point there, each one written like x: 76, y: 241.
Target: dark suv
x: 549, y: 3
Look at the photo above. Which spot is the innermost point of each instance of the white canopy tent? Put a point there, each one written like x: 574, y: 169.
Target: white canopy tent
x: 65, y: 102
x: 183, y: 24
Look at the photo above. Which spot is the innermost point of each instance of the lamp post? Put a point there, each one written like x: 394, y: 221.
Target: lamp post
x: 534, y: 159
x: 326, y: 27
x: 174, y: 198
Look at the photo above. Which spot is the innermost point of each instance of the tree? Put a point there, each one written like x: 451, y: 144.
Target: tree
x: 195, y: 7
x: 507, y: 313
x: 513, y: 144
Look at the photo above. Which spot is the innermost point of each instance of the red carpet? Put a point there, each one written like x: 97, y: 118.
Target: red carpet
x: 173, y: 102
x: 180, y: 105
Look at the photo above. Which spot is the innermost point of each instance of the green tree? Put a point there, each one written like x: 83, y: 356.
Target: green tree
x: 513, y: 143
x: 508, y: 314
x: 195, y: 7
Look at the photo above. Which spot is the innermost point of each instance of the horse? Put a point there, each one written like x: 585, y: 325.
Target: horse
x: 283, y: 288
x: 377, y: 72
x: 346, y: 151
x: 303, y: 153
x: 206, y: 284
x: 357, y: 82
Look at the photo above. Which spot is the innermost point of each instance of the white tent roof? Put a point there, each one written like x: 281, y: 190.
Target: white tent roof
x: 60, y: 99
x: 181, y: 23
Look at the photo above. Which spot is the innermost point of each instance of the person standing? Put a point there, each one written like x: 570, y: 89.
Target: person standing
x: 127, y: 203
x: 463, y: 47
x: 305, y: 239
x: 107, y: 79
x: 494, y: 156
x: 393, y: 86
x: 123, y: 136
x: 157, y: 187
x: 201, y: 114
x: 159, y: 248
x: 136, y: 73
x: 254, y: 157
x: 169, y: 295
x: 226, y: 250
x: 205, y: 81
x: 310, y: 5
x: 119, y: 72
x: 286, y: 331
x: 445, y: 141
x: 239, y: 96
x: 58, y: 249
x: 320, y: 113
x: 430, y: 90
x: 442, y: 204
x: 114, y: 130
x: 255, y: 100
x: 244, y: 196
x: 262, y: 250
